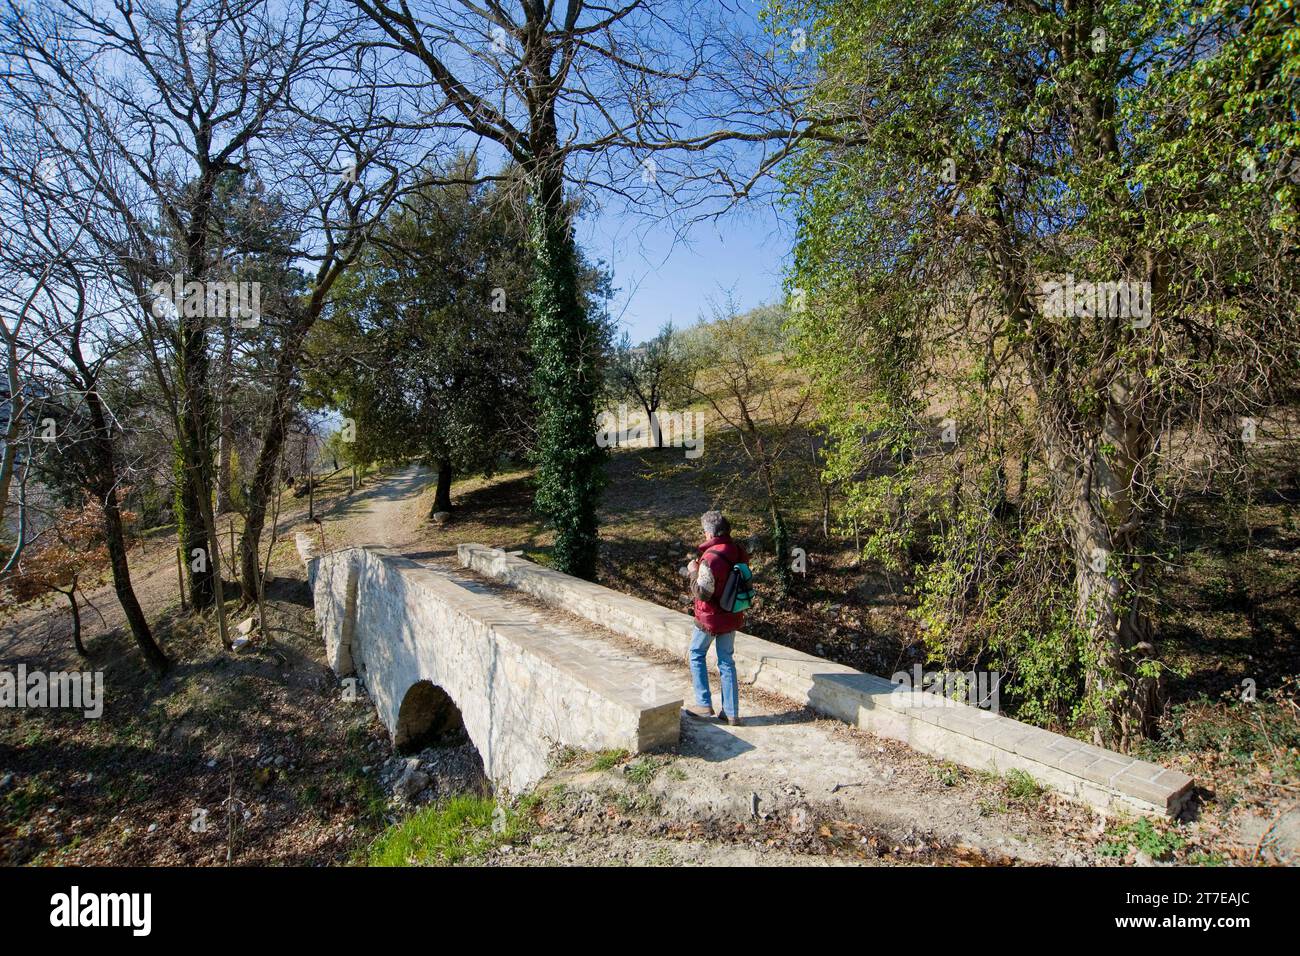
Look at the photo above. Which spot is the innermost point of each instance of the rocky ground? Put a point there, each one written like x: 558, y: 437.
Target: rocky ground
x: 450, y: 769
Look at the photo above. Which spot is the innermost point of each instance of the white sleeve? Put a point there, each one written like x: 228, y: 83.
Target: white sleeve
x: 704, y: 582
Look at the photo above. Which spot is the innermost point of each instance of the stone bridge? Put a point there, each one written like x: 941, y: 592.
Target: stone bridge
x: 436, y: 649
x: 529, y: 659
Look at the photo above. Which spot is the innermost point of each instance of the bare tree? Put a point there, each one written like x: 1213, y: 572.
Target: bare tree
x: 353, y: 167
x: 739, y: 369
x: 161, y: 107
x: 155, y: 104
x: 602, y: 101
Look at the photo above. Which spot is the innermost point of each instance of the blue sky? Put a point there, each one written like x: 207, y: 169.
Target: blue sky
x: 663, y: 270
x: 660, y: 276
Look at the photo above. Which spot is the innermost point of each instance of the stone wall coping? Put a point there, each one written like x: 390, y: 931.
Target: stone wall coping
x: 960, y: 732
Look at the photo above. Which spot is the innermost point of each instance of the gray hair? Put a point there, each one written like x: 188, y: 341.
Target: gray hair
x: 714, y: 524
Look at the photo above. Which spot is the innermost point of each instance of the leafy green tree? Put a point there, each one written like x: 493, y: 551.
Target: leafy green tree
x: 972, y: 162
x: 423, y: 353
x: 650, y: 374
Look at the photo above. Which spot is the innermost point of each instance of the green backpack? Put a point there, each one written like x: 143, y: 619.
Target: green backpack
x: 738, y: 593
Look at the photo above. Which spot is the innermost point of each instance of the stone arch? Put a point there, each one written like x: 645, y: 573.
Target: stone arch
x: 427, y: 713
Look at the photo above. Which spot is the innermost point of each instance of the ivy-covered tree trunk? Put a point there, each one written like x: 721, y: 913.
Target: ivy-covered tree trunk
x: 194, y: 446
x: 566, y: 350
x: 1110, y: 613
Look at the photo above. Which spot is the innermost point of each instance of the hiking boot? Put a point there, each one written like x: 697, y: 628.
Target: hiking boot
x: 698, y: 710
x: 732, y: 721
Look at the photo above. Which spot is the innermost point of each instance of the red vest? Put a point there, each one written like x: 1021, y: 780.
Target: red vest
x: 719, y: 554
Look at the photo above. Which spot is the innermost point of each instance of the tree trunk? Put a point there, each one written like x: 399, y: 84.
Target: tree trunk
x: 213, y: 551
x: 260, y: 490
x: 262, y: 486
x: 781, y: 548
x: 1106, y: 525
x: 194, y: 431
x: 17, y: 406
x: 570, y: 472
x: 223, y: 468
x: 71, y: 595
x: 138, y: 623
x: 780, y: 536
x: 224, y: 422
x: 194, y: 451
x: 442, y: 498
x: 190, y: 528
x: 104, y: 487
x: 1110, y: 615
x: 652, y: 422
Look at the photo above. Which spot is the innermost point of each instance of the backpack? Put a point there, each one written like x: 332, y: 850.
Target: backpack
x: 738, y: 593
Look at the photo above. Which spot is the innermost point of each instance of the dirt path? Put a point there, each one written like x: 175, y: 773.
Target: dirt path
x: 386, y: 513
x: 389, y: 514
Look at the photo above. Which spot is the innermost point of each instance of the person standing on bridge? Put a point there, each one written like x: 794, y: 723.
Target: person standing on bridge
x: 708, y: 575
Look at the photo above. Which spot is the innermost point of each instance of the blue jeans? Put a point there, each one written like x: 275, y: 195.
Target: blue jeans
x: 700, y: 641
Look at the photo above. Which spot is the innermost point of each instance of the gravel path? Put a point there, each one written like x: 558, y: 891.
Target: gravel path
x: 390, y: 514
